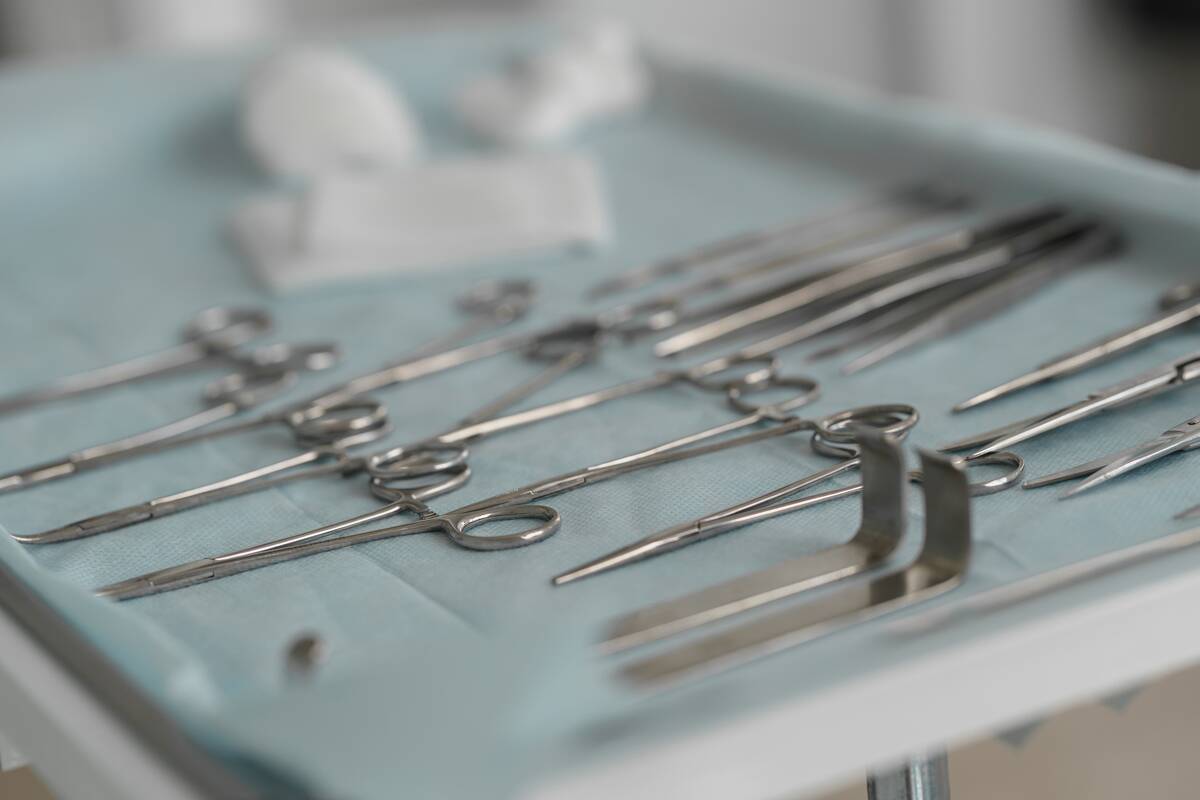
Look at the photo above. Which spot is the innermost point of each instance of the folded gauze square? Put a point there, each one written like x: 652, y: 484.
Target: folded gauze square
x: 441, y: 214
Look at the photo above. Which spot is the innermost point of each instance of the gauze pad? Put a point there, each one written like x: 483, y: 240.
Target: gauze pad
x: 446, y: 213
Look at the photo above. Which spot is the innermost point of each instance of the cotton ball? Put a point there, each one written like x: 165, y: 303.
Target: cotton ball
x: 310, y: 110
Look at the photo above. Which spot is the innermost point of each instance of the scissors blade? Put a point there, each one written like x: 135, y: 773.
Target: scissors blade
x: 1089, y: 355
x: 1142, y: 386
x: 1183, y: 437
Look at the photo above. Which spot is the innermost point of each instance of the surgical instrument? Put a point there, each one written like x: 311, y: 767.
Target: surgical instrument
x: 489, y: 303
x: 999, y: 257
x: 937, y: 569
x: 211, y: 336
x: 981, y: 302
x: 666, y: 308
x: 1042, y: 583
x: 1181, y: 305
x: 268, y: 373
x: 847, y: 222
x: 1172, y: 375
x: 768, y: 506
x: 322, y: 429
x: 1181, y: 438
x: 875, y: 540
x: 439, y: 453
x: 456, y: 524
x: 858, y: 276
x: 899, y: 420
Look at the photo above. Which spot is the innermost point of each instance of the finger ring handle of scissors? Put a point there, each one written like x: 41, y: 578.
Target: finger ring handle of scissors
x: 502, y: 300
x: 345, y: 424
x: 260, y: 378
x: 457, y: 525
x: 836, y: 434
x: 223, y: 328
x: 806, y: 390
x: 412, y: 495
x: 1001, y: 458
x: 416, y: 460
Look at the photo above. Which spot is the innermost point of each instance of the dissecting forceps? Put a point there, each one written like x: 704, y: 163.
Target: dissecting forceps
x: 1181, y: 305
x: 210, y: 337
x: 938, y: 568
x: 456, y: 524
x: 836, y: 229
x: 996, y: 258
x: 1181, y: 438
x: 857, y: 276
x: 1172, y: 375
x: 956, y: 308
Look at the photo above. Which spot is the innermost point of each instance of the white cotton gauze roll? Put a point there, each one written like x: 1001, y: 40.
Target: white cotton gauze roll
x: 593, y: 73
x: 310, y: 111
x: 423, y: 217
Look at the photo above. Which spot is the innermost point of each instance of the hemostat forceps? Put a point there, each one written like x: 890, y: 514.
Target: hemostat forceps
x: 488, y: 303
x: 514, y: 504
x: 327, y: 431
x: 441, y: 453
x: 897, y: 420
x: 1172, y: 375
x: 1181, y: 306
x: 211, y: 336
x: 261, y: 377
x: 1181, y: 438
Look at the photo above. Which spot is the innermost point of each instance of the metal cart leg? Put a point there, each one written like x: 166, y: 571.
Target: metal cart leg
x: 925, y: 778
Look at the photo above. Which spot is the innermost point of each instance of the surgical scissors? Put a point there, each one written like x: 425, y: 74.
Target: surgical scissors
x: 211, y: 336
x: 1180, y: 306
x: 444, y: 452
x: 515, y: 504
x: 1178, y: 439
x: 1172, y: 375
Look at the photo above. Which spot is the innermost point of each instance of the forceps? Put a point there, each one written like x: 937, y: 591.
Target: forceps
x: 997, y: 258
x: 444, y: 452
x: 1172, y: 375
x: 898, y: 419
x: 839, y: 228
x: 515, y: 504
x: 210, y: 336
x: 1181, y: 438
x: 262, y: 376
x: 272, y: 370
x: 857, y: 276
x: 1180, y: 304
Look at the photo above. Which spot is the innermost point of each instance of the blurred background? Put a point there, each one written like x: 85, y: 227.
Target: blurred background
x: 1124, y: 72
